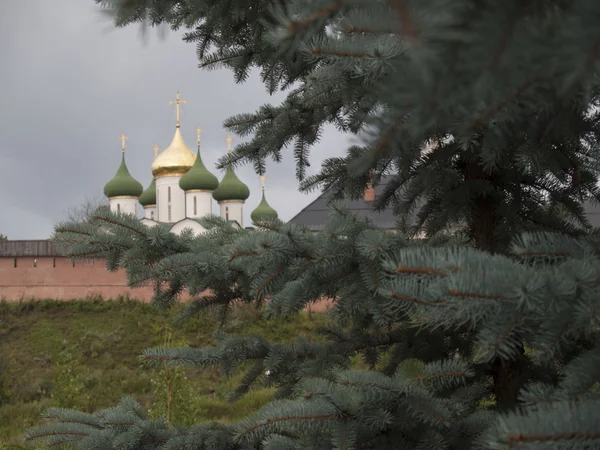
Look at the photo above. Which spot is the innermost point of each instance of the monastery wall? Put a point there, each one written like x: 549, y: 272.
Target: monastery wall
x: 56, y: 277
x: 35, y: 269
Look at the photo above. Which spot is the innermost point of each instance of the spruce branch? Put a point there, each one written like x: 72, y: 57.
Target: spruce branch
x: 491, y: 111
x: 410, y: 30
x: 501, y: 93
x: 350, y: 29
x: 476, y: 295
x: 271, y: 277
x: 411, y: 299
x: 70, y: 229
x: 222, y: 58
x: 419, y: 405
x: 564, y: 423
x: 342, y: 54
x: 319, y: 15
x: 275, y: 420
x: 111, y: 219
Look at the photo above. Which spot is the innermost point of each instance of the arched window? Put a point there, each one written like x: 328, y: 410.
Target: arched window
x: 195, y: 210
x: 118, y: 208
x: 227, y: 213
x: 169, y: 193
x: 152, y: 215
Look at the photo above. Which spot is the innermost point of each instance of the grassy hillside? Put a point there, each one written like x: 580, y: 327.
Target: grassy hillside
x: 84, y: 354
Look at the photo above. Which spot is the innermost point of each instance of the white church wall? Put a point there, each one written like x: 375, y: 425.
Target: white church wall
x: 198, y: 203
x: 124, y: 205
x: 185, y: 224
x: 150, y: 212
x: 232, y: 210
x: 170, y: 200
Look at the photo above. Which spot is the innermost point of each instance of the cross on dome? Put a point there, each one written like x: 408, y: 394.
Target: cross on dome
x: 123, y: 138
x: 177, y: 102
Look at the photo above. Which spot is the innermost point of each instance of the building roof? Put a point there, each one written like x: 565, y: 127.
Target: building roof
x: 592, y: 211
x: 148, y: 197
x: 40, y: 247
x: 175, y: 160
x: 263, y: 210
x: 317, y: 213
x: 198, y: 177
x: 231, y: 188
x: 123, y: 184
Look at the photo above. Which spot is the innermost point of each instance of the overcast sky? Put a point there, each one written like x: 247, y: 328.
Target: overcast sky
x: 70, y: 84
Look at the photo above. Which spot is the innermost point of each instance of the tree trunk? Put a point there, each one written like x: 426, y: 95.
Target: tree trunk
x: 508, y: 379
x: 507, y: 374
x: 483, y: 225
x: 483, y: 219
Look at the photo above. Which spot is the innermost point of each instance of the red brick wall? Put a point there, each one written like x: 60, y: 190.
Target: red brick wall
x: 57, y: 278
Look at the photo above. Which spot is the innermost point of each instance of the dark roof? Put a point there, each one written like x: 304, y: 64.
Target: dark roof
x: 316, y: 213
x: 592, y: 211
x: 39, y: 247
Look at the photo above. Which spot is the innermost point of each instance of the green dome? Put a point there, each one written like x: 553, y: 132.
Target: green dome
x: 148, y: 197
x: 123, y: 184
x: 231, y: 188
x: 263, y: 211
x: 198, y: 177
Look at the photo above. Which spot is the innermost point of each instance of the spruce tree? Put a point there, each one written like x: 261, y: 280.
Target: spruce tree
x: 504, y: 96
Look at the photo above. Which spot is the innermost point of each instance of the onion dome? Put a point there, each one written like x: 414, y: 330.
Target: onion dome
x: 148, y: 197
x: 198, y: 177
x: 176, y: 160
x: 263, y: 210
x: 123, y: 184
x: 231, y: 188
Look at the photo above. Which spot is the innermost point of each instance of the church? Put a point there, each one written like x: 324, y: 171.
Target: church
x: 182, y: 188
x: 181, y: 192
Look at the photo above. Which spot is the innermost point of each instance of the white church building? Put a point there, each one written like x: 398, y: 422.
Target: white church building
x: 182, y: 189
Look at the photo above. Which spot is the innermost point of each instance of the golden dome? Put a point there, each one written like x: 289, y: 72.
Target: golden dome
x: 176, y: 160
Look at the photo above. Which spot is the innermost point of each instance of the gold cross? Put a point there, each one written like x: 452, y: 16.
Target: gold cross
x: 123, y: 139
x: 262, y: 181
x: 177, y: 102
x: 229, y: 140
x: 156, y: 148
x: 198, y: 131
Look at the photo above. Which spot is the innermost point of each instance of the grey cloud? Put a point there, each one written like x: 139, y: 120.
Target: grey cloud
x: 70, y: 84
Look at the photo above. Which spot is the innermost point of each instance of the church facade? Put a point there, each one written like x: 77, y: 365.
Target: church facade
x: 182, y: 188
x: 181, y: 192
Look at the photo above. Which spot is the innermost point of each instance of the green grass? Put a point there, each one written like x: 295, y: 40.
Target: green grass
x: 83, y: 354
